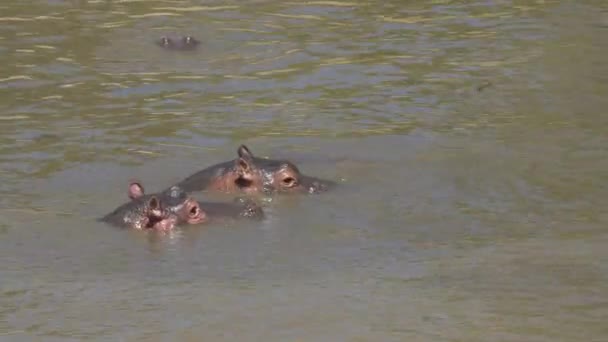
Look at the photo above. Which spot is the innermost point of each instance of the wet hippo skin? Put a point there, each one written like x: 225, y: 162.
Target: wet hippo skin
x: 250, y: 174
x: 175, y: 198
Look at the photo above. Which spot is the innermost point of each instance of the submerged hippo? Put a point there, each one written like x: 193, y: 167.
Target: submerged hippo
x: 156, y: 211
x: 178, y: 43
x: 175, y: 198
x: 250, y: 174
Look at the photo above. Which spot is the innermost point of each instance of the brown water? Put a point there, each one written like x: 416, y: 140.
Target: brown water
x: 470, y: 139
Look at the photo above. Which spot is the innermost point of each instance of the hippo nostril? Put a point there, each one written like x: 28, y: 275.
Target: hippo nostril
x: 317, y: 187
x: 314, y: 188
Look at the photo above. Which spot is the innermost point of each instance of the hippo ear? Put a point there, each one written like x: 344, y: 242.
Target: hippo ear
x: 244, y: 152
x: 243, y: 165
x: 136, y: 190
x: 153, y: 203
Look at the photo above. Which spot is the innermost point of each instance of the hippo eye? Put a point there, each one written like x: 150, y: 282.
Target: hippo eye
x: 193, y: 211
x: 289, y: 181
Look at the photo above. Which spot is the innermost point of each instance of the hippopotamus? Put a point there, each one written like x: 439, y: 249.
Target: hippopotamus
x: 178, y: 43
x: 175, y: 198
x: 161, y: 211
x: 253, y: 175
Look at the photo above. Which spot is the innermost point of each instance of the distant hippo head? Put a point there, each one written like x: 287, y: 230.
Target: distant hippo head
x: 178, y: 43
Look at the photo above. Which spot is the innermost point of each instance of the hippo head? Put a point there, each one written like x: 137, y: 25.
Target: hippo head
x: 272, y: 175
x: 181, y: 43
x: 178, y: 206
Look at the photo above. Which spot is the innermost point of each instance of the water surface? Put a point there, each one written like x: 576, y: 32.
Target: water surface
x: 469, y: 140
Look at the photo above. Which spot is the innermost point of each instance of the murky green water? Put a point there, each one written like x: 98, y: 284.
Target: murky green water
x: 471, y: 138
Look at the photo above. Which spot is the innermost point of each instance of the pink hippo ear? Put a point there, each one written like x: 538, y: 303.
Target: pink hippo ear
x: 136, y: 190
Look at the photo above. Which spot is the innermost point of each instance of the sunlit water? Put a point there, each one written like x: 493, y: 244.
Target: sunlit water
x: 470, y: 141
